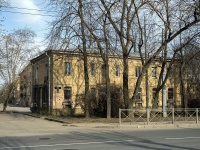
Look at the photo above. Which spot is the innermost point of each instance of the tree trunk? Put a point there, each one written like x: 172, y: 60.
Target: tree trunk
x: 108, y: 97
x: 86, y: 77
x: 5, y: 104
x: 125, y: 82
x: 182, y: 88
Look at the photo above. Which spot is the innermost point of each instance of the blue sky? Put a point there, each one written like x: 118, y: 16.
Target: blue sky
x: 29, y: 14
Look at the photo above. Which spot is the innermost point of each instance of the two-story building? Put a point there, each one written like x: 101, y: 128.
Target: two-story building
x: 57, y: 79
x: 25, y: 86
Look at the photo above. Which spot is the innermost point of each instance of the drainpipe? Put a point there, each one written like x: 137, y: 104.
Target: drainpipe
x: 49, y: 59
x: 31, y: 92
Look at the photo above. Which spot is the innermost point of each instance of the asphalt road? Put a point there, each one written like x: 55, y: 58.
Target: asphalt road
x: 21, y: 132
x: 173, y: 139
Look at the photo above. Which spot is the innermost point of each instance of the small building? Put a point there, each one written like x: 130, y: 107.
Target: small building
x: 57, y: 80
x: 25, y: 86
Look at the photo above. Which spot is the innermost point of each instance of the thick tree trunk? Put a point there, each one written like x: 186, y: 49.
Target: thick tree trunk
x: 125, y: 82
x: 87, y: 114
x: 5, y: 104
x: 108, y: 97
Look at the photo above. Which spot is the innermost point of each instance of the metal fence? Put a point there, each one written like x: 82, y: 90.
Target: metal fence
x: 169, y: 116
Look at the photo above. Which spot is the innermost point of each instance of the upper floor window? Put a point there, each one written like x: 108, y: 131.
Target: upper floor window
x: 170, y: 93
x: 68, y: 68
x: 117, y: 70
x: 137, y: 71
x: 154, y: 71
x: 46, y: 69
x: 170, y: 73
x: 92, y: 69
x: 36, y: 75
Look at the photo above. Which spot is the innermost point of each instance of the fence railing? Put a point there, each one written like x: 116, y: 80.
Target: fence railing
x: 170, y: 116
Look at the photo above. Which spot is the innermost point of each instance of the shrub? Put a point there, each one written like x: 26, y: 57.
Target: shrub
x: 194, y: 103
x: 98, y: 101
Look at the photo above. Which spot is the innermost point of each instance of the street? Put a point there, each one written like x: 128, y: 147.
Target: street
x: 22, y: 132
x: 85, y: 139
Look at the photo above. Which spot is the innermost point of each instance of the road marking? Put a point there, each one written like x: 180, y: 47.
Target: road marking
x: 182, y: 138
x: 68, y: 144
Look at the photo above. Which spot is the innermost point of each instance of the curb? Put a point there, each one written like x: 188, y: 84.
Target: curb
x: 116, y: 125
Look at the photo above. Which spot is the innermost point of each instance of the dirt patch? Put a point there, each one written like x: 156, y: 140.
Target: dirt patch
x: 86, y: 120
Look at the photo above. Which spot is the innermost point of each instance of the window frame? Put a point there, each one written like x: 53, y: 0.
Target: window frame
x: 154, y: 72
x: 67, y: 97
x: 68, y: 71
x: 117, y: 71
x: 103, y: 70
x: 170, y: 93
x: 139, y: 94
x: 153, y: 93
x: 137, y: 71
x: 92, y: 69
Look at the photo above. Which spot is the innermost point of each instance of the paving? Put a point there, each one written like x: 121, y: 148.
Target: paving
x: 29, y: 115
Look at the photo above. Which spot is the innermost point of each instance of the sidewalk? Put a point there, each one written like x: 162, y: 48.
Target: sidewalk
x: 99, y: 123
x: 13, y: 108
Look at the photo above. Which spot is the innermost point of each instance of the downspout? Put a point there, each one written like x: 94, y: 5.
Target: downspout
x: 31, y: 92
x: 49, y: 95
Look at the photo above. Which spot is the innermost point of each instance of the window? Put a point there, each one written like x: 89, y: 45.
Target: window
x: 154, y: 71
x: 139, y: 95
x: 46, y: 69
x: 137, y: 71
x: 154, y: 93
x: 170, y: 93
x: 103, y: 70
x: 67, y: 93
x: 36, y: 73
x: 169, y: 73
x: 68, y: 68
x: 117, y: 70
x: 92, y: 69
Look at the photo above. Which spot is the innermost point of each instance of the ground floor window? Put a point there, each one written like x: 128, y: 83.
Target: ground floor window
x: 67, y: 93
x: 170, y: 93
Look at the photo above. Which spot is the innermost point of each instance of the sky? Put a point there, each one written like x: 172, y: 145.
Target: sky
x: 27, y: 14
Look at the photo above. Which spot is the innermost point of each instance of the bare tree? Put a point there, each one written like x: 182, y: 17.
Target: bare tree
x: 99, y: 29
x: 170, y: 20
x: 15, y: 52
x: 69, y: 32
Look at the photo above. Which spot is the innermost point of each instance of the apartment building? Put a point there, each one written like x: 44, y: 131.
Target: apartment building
x: 57, y: 80
x: 25, y: 86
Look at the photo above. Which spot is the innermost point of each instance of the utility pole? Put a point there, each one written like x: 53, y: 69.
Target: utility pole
x: 164, y: 103
x: 146, y: 76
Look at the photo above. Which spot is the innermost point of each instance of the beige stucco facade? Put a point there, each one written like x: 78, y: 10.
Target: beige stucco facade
x: 25, y: 86
x: 63, y: 72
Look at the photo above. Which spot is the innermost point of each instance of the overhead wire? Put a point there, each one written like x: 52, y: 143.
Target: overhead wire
x: 27, y: 13
x: 26, y: 8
